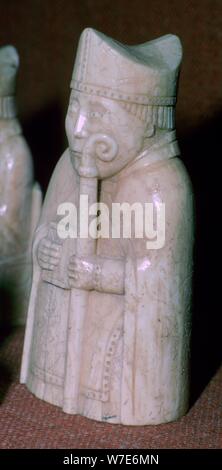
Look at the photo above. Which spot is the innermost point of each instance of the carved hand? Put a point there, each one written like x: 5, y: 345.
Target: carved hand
x: 81, y: 272
x: 97, y: 272
x: 48, y: 254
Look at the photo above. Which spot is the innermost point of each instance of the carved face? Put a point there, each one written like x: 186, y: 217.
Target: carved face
x: 88, y: 115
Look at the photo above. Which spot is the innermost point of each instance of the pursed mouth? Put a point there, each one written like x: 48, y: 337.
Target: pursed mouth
x: 75, y: 153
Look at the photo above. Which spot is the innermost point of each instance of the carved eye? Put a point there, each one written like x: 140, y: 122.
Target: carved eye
x: 95, y: 114
x: 74, y: 106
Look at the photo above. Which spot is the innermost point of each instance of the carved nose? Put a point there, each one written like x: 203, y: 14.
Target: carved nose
x: 80, y: 127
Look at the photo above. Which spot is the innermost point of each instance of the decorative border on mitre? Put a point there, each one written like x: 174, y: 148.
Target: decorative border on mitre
x: 119, y: 96
x: 8, y: 108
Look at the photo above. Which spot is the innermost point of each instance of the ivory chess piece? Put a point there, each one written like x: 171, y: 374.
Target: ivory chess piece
x: 108, y: 326
x: 20, y: 198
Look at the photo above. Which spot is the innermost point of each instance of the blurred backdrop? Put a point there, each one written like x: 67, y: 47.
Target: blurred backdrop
x: 46, y: 33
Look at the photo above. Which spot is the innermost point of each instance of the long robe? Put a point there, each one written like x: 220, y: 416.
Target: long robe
x: 135, y: 349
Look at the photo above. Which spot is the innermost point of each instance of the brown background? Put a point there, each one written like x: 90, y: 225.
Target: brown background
x: 46, y: 32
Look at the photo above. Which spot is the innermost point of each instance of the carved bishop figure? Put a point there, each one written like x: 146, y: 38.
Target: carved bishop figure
x: 109, y: 318
x: 20, y: 198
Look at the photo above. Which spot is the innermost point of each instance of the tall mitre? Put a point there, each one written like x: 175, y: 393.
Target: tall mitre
x: 144, y: 74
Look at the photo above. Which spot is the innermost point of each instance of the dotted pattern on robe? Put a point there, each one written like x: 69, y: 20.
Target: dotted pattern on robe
x: 111, y: 348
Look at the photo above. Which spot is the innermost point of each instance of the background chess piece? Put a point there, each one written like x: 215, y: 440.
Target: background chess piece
x: 20, y: 199
x: 120, y: 352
